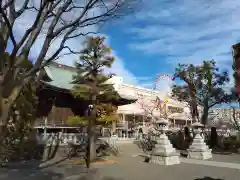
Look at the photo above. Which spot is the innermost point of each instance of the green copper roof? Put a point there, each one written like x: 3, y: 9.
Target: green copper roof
x: 60, y: 77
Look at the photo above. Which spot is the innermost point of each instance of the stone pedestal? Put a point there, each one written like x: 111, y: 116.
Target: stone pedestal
x: 199, y: 149
x: 164, y: 153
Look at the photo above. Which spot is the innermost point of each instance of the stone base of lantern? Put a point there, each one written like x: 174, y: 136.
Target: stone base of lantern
x: 199, y: 149
x: 200, y: 155
x: 164, y: 153
x: 170, y: 160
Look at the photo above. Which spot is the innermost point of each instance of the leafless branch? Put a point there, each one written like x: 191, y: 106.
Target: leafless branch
x: 23, y: 8
x: 88, y: 6
x: 9, y: 26
x: 236, y: 121
x: 61, y: 47
x: 7, y: 4
x: 53, y: 15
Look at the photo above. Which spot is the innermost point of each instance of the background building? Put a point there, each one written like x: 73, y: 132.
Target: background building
x: 224, y: 117
x: 137, y: 106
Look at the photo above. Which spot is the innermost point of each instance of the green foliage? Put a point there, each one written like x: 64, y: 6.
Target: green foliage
x: 181, y: 93
x: 204, y: 83
x: 94, y: 58
x: 106, y: 112
x: 91, y: 81
x: 77, y: 120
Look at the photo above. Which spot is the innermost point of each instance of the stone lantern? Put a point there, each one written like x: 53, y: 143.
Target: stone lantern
x: 163, y: 153
x: 198, y: 149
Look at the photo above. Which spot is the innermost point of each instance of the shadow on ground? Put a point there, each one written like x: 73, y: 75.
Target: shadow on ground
x: 55, y: 171
x: 208, y: 178
x: 104, y: 178
x: 28, y: 174
x: 31, y: 170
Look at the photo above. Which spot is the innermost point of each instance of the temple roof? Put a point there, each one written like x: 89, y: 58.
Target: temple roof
x: 61, y: 76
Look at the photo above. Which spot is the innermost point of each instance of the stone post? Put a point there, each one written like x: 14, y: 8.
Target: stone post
x: 199, y: 149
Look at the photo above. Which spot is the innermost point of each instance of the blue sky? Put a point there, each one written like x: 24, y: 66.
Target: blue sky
x: 167, y: 32
x: 159, y: 35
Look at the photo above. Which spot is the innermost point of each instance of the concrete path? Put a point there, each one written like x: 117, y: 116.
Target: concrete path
x: 201, y: 162
x: 226, y: 161
x: 129, y: 168
x: 211, y: 163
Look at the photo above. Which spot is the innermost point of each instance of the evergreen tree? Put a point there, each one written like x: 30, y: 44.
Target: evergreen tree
x: 204, y: 86
x: 91, y: 86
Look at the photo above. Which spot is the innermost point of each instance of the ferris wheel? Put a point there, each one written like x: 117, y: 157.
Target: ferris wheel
x: 159, y: 78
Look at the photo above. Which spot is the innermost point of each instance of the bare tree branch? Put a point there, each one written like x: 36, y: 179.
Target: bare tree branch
x: 57, y: 20
x: 9, y: 25
x: 7, y: 4
x: 236, y: 121
x: 88, y: 6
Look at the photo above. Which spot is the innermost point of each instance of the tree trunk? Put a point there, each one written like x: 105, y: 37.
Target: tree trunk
x: 204, y: 117
x: 114, y: 127
x: 91, y: 147
x: 214, y: 137
x: 6, y: 106
x: 93, y: 143
x: 4, y: 114
x: 194, y: 109
x: 194, y: 105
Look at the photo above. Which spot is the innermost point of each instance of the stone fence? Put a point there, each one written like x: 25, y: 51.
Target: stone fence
x: 64, y: 139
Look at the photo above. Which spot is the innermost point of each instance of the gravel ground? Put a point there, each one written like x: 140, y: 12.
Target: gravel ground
x: 132, y: 149
x: 126, y: 168
x: 135, y: 169
x: 232, y: 158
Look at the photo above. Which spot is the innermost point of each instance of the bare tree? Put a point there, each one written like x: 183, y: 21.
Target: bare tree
x: 232, y: 118
x: 146, y: 106
x: 55, y: 20
x: 235, y: 119
x: 153, y: 107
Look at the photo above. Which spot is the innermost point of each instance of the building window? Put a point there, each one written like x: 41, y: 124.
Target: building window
x: 172, y: 109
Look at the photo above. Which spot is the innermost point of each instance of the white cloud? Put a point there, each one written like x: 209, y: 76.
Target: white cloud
x: 187, y: 31
x: 119, y: 68
x: 26, y: 20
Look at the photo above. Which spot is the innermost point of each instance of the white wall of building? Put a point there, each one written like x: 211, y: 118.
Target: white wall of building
x: 146, y: 98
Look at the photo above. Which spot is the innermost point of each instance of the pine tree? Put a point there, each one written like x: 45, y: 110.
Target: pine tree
x: 91, y: 86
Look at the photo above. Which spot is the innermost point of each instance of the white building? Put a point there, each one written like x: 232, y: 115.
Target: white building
x: 58, y: 83
x: 145, y: 108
